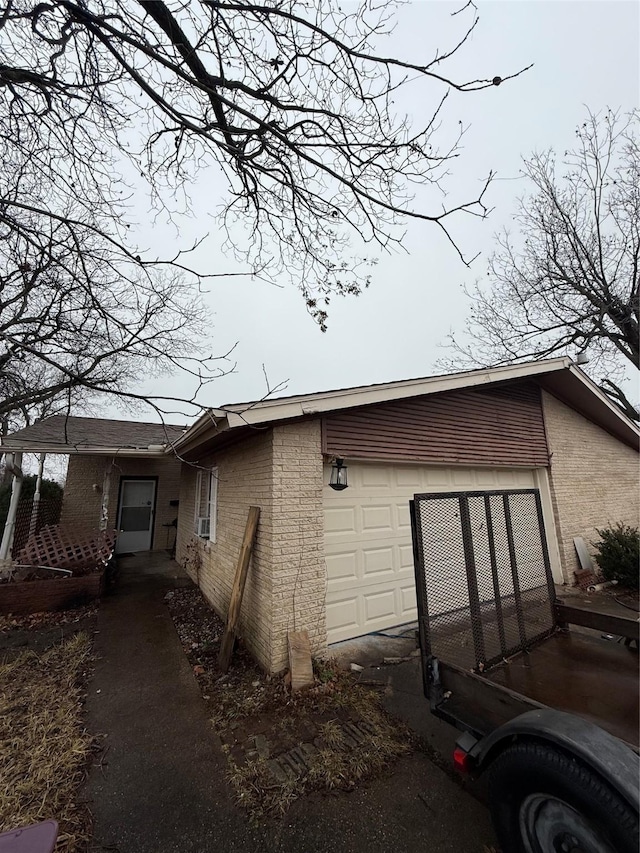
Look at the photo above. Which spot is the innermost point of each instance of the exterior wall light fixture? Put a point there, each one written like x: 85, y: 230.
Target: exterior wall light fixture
x: 338, y: 479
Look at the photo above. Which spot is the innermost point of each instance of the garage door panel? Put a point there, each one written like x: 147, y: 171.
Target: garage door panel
x: 378, y: 561
x: 342, y: 617
x: 435, y: 478
x: 379, y: 605
x: 403, y: 517
x: 340, y: 519
x: 462, y: 478
x: 343, y: 565
x: 342, y: 586
x: 377, y: 518
x: 370, y: 574
x: 406, y: 476
x: 375, y: 477
x: 405, y: 554
x: 407, y: 594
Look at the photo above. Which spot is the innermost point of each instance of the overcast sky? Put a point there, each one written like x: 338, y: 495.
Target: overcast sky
x: 585, y: 54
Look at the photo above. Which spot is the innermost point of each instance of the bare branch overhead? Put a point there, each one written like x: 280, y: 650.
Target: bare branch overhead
x: 294, y: 103
x: 568, y: 280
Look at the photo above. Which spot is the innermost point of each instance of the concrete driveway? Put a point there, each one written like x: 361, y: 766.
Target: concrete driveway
x: 160, y: 786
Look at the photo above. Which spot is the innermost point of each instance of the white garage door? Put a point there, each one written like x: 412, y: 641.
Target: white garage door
x: 370, y: 581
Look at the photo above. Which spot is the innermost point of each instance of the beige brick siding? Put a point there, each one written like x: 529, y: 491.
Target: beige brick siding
x: 299, y: 572
x: 83, y: 491
x: 281, y: 472
x: 245, y: 478
x: 595, y: 479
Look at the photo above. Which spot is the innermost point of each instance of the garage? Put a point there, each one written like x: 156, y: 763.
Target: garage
x: 370, y: 576
x: 335, y: 559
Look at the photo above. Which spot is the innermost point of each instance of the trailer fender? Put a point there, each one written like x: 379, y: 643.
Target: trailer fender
x: 608, y: 756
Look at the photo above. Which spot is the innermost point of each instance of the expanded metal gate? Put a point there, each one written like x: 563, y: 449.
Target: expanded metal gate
x: 483, y: 577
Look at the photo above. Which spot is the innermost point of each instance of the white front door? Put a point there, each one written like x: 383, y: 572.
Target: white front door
x: 136, y: 514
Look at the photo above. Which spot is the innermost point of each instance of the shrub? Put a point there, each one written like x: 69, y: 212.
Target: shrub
x: 618, y: 554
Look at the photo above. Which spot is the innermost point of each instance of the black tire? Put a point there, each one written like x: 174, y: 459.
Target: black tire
x: 531, y: 782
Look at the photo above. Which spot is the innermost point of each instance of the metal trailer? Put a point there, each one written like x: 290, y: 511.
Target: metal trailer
x: 549, y: 713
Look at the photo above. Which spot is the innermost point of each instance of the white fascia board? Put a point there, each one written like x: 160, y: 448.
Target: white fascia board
x: 83, y: 450
x: 211, y: 418
x: 274, y: 410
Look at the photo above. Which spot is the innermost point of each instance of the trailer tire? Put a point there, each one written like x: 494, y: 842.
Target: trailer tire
x: 544, y: 801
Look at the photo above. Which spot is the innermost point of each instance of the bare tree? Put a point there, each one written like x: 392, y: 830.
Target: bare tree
x: 101, y: 100
x: 568, y: 281
x: 79, y: 317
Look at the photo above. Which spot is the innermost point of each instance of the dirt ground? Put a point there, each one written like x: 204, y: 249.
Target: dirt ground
x: 279, y: 745
x: 40, y: 631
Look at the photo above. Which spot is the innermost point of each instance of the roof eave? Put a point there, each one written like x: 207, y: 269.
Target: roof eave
x: 319, y: 404
x: 212, y: 418
x: 80, y: 450
x: 599, y: 408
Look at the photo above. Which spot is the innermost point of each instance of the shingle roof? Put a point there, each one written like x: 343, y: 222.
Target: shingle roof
x: 560, y: 376
x: 74, y: 432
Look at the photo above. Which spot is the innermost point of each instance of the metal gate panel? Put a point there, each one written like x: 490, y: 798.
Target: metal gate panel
x: 483, y: 577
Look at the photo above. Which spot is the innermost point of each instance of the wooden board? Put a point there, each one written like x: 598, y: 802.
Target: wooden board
x: 596, y: 679
x: 300, y: 663
x: 593, y: 678
x: 608, y: 623
x: 239, y: 581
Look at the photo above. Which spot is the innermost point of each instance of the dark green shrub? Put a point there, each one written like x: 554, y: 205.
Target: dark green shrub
x: 618, y: 554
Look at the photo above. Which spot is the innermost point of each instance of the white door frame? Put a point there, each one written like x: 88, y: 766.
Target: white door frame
x: 121, y: 547
x: 544, y: 487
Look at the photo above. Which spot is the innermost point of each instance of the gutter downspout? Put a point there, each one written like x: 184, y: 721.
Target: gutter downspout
x: 14, y: 463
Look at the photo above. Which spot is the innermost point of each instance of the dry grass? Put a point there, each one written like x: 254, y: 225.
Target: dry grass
x: 43, y: 744
x: 245, y: 702
x: 335, y: 765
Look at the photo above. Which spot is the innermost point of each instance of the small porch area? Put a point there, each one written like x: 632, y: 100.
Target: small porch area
x: 121, y: 476
x: 149, y: 568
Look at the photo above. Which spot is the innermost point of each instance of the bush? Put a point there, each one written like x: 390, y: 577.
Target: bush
x: 618, y: 554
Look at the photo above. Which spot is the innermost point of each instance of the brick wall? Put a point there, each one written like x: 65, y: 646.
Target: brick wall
x: 595, y: 479
x: 299, y: 573
x: 281, y: 472
x: 81, y: 507
x: 82, y: 502
x: 245, y: 478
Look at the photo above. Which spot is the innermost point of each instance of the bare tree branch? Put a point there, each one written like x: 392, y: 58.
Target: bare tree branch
x: 569, y: 280
x: 102, y: 101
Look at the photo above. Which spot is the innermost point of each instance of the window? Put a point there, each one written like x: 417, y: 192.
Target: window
x: 206, y: 504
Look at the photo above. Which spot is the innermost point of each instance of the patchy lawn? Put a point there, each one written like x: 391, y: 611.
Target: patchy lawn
x: 281, y: 746
x: 43, y: 743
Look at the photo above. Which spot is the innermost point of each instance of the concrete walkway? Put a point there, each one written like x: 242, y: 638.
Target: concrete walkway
x: 160, y: 785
